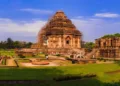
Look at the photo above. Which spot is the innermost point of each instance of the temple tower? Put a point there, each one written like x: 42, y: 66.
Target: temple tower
x: 59, y: 33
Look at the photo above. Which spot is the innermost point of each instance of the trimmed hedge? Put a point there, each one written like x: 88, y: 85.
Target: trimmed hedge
x: 3, y: 61
x: 73, y: 77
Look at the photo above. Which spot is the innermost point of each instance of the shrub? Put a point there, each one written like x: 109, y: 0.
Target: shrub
x: 23, y: 60
x: 71, y: 56
x: 100, y: 59
x: 57, y: 54
x: 67, y: 58
x: 33, y: 55
x: 21, y: 56
x: 104, y: 60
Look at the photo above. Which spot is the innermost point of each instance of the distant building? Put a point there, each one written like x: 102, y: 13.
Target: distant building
x: 108, y: 47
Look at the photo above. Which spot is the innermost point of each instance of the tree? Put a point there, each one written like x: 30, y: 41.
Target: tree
x: 111, y: 35
x: 10, y: 43
x: 28, y: 45
x: 89, y: 46
x: 17, y: 44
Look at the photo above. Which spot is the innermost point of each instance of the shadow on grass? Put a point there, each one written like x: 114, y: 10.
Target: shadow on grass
x: 46, y: 75
x: 86, y: 82
x: 29, y: 73
x: 83, y: 82
x: 117, y: 62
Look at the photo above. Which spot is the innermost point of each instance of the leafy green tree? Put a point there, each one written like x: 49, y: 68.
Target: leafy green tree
x: 89, y: 46
x: 9, y: 43
x: 117, y: 35
x: 28, y: 45
x: 111, y: 35
x: 17, y: 44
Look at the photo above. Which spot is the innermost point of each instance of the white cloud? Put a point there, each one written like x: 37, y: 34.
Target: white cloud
x: 91, y: 28
x: 37, y: 11
x: 26, y: 31
x: 107, y: 15
x: 95, y: 28
x: 7, y: 25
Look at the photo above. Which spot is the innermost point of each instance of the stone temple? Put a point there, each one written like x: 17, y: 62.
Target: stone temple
x: 58, y: 35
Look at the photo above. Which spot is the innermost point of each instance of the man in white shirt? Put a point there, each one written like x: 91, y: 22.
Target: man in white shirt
x: 46, y: 56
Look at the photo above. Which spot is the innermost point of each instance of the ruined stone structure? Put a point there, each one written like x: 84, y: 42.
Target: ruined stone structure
x: 108, y: 47
x: 58, y: 35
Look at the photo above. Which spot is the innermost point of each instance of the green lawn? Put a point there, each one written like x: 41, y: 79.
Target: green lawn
x: 40, y: 55
x: 48, y: 73
x: 7, y: 52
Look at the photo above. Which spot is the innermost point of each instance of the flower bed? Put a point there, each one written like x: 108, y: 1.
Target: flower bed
x: 40, y: 63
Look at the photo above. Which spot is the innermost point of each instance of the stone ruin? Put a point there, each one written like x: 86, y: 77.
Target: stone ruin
x: 108, y: 47
x: 59, y: 35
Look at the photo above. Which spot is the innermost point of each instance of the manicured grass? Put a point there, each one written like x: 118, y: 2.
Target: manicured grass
x: 3, y: 61
x: 48, y: 73
x: 23, y: 60
x: 40, y: 55
x: 36, y: 56
x: 7, y: 52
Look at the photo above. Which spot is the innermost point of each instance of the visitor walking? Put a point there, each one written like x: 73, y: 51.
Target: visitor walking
x: 93, y: 56
x: 47, y: 57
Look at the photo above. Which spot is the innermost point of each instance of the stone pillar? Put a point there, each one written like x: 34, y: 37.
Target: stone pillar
x: 60, y: 42
x: 64, y: 41
x: 73, y: 42
x: 78, y: 43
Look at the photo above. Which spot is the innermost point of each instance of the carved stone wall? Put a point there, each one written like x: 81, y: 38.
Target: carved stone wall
x: 108, y: 47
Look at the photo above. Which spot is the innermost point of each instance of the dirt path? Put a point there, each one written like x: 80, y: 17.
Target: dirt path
x: 31, y: 65
x: 10, y: 62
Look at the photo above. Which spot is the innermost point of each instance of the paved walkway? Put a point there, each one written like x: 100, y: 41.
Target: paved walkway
x: 10, y: 62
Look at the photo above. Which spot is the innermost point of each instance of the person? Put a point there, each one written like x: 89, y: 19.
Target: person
x: 46, y: 56
x: 93, y: 56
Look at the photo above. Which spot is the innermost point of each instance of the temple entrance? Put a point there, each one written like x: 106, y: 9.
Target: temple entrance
x: 67, y: 42
x: 67, y: 39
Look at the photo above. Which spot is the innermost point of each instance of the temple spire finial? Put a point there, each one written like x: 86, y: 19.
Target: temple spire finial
x: 60, y: 11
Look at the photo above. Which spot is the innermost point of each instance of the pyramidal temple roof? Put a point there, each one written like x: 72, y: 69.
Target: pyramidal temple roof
x: 60, y: 14
x: 59, y: 24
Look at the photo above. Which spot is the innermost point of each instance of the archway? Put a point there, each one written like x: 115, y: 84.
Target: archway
x: 67, y: 41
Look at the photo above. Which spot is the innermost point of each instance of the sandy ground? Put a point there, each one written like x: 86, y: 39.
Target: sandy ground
x: 31, y: 65
x: 10, y: 62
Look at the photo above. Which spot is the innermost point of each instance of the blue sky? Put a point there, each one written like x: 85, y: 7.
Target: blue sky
x: 22, y: 19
